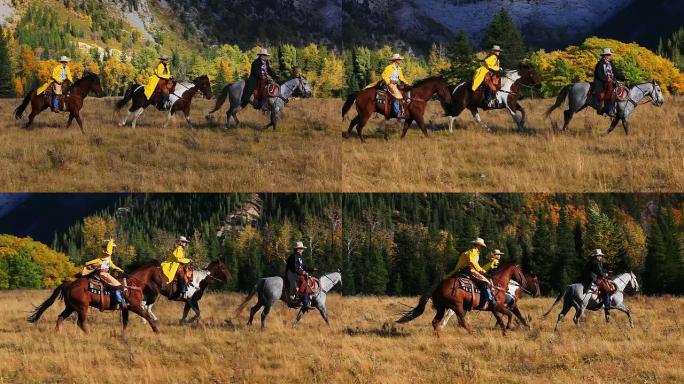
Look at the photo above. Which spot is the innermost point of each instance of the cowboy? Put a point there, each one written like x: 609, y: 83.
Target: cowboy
x: 259, y: 76
x: 490, y: 66
x: 295, y: 273
x: 60, y: 73
x: 102, y: 265
x: 594, y: 274
x: 161, y: 71
x: 604, y: 75
x: 468, y: 266
x: 176, y: 265
x: 393, y: 77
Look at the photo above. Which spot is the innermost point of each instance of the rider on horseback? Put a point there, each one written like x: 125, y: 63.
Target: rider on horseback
x: 103, y: 265
x: 297, y: 274
x: 594, y: 273
x: 468, y: 266
x: 490, y: 67
x: 393, y: 77
x: 175, y: 265
x: 604, y: 75
x: 59, y: 74
x: 161, y: 72
x: 260, y: 75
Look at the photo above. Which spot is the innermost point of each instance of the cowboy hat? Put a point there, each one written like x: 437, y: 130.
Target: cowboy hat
x: 106, y: 243
x: 479, y: 241
x: 397, y: 56
x: 497, y: 252
x: 64, y: 59
x: 299, y: 245
x: 606, y: 51
x: 263, y: 52
x: 183, y: 239
x: 597, y: 252
x: 496, y: 48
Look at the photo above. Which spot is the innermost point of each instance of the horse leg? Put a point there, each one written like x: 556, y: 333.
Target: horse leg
x: 60, y: 319
x: 186, y: 310
x: 523, y: 116
x: 613, y: 124
x: 625, y: 125
x: 124, y: 319
x: 253, y: 312
x: 31, y: 116
x: 324, y: 314
x: 359, y: 127
x: 352, y: 123
x: 125, y: 120
x: 518, y: 314
x: 186, y: 113
x: 438, y: 319
x: 447, y: 317
x: 567, y: 116
x: 264, y: 315
x: 71, y: 118
x: 407, y: 125
x: 135, y: 116
x: 300, y: 314
x: 499, y: 320
x: 421, y: 124
x: 79, y: 121
x: 274, y: 119
x: 83, y: 320
x: 195, y: 308
x: 476, y: 115
x: 168, y: 118
x: 142, y: 313
x: 460, y: 312
x: 623, y: 308
x: 563, y: 312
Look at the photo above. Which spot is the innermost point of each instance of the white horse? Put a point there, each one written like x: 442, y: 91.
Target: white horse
x: 574, y: 296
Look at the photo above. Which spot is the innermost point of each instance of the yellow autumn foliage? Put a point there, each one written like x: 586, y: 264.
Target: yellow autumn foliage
x: 55, y: 265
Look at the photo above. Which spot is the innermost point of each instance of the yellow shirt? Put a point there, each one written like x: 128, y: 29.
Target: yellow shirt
x: 162, y: 72
x: 57, y: 74
x: 491, y: 62
x: 100, y: 260
x: 178, y: 256
x: 468, y: 258
x: 389, y: 70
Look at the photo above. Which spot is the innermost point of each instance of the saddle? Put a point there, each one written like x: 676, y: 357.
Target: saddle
x: 98, y: 287
x: 605, y: 285
x: 50, y: 94
x: 384, y: 98
x: 307, y: 285
x: 612, y: 92
x: 270, y: 89
x: 493, y: 83
x: 469, y: 286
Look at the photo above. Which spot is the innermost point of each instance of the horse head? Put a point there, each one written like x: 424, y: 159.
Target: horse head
x: 303, y: 86
x: 633, y: 283
x: 219, y: 271
x: 657, y: 95
x: 533, y: 285
x: 90, y: 82
x: 204, y: 86
x: 434, y: 84
x: 529, y: 75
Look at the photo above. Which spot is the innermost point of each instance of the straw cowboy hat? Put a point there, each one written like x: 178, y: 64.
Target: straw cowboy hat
x: 64, y: 59
x: 299, y: 245
x: 397, y: 56
x: 479, y: 241
x: 163, y: 57
x: 496, y: 48
x: 263, y: 52
x: 597, y: 252
x: 497, y: 253
x: 606, y: 51
x: 183, y: 239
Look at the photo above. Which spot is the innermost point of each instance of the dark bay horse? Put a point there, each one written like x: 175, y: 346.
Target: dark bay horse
x: 450, y: 294
x: 414, y: 104
x: 180, y: 99
x: 73, y: 100
x: 78, y: 298
x: 512, y: 83
x: 216, y: 272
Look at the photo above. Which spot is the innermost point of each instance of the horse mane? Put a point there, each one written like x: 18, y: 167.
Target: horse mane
x: 427, y: 80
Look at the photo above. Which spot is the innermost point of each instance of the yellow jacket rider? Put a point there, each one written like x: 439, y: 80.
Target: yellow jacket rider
x: 468, y: 266
x: 173, y: 263
x: 60, y: 73
x: 102, y: 265
x: 490, y: 64
x: 393, y: 76
x: 161, y: 71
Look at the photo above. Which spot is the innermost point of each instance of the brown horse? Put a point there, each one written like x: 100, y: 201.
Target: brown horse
x: 78, y: 298
x: 507, y: 97
x: 414, y: 104
x: 180, y: 98
x: 450, y: 294
x: 216, y: 272
x: 73, y: 100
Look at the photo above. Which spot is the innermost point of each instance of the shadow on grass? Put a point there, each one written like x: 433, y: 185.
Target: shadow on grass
x: 388, y: 329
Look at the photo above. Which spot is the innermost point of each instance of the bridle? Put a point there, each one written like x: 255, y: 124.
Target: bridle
x: 645, y: 94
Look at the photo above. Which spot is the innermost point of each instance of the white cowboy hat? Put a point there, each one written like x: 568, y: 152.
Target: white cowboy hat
x: 183, y: 239
x: 496, y: 48
x: 64, y: 59
x: 299, y: 245
x: 597, y: 252
x: 263, y: 52
x: 606, y: 51
x: 497, y: 252
x: 397, y: 56
x: 479, y: 241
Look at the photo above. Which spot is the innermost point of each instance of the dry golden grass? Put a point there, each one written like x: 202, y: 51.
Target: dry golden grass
x: 362, y: 346
x: 303, y: 155
x: 471, y: 160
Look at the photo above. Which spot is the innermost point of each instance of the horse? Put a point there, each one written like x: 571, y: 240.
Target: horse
x: 216, y: 272
x: 73, y: 100
x: 574, y: 296
x: 270, y: 290
x: 578, y: 99
x: 513, y: 295
x: 233, y: 92
x: 180, y: 99
x: 77, y: 297
x: 507, y: 97
x: 451, y: 294
x: 415, y: 104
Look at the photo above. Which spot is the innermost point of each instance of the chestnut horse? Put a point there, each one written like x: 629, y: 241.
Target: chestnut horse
x: 77, y: 297
x: 450, y: 294
x: 414, y: 104
x: 73, y: 100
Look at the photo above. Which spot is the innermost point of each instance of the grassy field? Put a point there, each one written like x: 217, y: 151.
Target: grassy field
x: 362, y: 346
x: 470, y: 159
x: 303, y: 155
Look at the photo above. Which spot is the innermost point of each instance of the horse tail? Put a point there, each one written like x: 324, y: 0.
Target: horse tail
x: 348, y: 103
x: 559, y: 100
x: 128, y: 95
x: 416, y: 311
x: 558, y: 299
x: 220, y: 98
x: 58, y: 293
x: 19, y: 111
x: 251, y: 294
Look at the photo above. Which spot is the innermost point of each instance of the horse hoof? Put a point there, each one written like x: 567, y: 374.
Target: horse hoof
x: 345, y: 135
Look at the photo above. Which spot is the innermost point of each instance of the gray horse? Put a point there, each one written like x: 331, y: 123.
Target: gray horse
x: 275, y: 104
x: 574, y: 296
x: 577, y: 95
x: 270, y: 289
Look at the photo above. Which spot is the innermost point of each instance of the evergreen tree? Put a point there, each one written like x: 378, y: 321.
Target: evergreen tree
x: 655, y: 267
x: 542, y: 259
x: 377, y: 273
x: 461, y: 58
x: 6, y: 81
x: 503, y: 32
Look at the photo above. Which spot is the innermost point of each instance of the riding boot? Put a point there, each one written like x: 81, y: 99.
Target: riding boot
x: 120, y: 298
